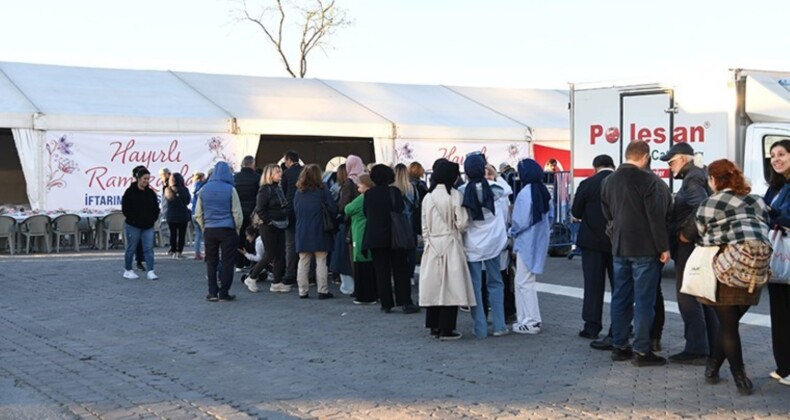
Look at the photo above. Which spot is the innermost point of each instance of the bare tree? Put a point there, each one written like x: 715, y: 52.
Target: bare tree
x: 319, y: 20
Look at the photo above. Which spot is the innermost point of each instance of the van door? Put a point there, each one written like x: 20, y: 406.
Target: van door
x: 649, y: 116
x: 757, y: 152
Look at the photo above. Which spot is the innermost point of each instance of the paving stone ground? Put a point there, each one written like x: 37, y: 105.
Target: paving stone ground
x: 79, y: 341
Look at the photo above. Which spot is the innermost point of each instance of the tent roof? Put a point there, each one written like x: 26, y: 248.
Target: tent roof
x: 77, y: 98
x: 432, y: 112
x: 288, y: 106
x: 49, y: 97
x: 15, y: 109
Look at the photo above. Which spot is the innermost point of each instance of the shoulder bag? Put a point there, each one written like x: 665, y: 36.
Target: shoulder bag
x: 780, y: 259
x: 698, y: 277
x: 330, y: 220
x: 402, y: 231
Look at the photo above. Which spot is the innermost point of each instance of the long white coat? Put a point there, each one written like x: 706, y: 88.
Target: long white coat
x: 444, y: 275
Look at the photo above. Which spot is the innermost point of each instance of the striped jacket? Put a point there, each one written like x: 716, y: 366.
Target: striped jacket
x: 727, y: 218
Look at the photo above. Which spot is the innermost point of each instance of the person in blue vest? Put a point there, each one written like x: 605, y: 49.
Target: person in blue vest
x: 219, y: 214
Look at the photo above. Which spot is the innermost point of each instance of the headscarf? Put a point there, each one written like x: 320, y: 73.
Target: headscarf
x: 444, y: 173
x: 531, y: 174
x: 475, y: 168
x: 354, y: 168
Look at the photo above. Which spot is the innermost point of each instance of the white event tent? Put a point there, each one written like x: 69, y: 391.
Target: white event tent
x: 79, y: 131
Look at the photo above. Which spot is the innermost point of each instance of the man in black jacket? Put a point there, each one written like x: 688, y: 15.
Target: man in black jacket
x: 288, y: 184
x: 595, y: 245
x: 699, y: 321
x: 246, y: 183
x: 635, y: 203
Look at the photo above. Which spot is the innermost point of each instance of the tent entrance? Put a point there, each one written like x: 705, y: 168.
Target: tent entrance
x: 13, y: 188
x: 313, y: 149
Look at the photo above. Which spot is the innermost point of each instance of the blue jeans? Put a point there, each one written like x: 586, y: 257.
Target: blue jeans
x: 634, y: 297
x: 135, y: 235
x: 198, y: 236
x: 496, y: 296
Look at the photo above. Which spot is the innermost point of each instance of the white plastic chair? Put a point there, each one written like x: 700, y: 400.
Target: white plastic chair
x: 8, y: 231
x: 114, y: 223
x: 66, y: 225
x: 37, y: 226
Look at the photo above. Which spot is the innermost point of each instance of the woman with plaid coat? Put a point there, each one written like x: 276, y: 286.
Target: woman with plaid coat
x: 729, y: 217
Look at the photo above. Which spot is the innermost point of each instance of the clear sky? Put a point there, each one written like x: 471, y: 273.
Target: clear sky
x: 512, y: 43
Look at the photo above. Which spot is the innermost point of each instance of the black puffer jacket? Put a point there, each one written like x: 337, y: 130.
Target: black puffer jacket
x: 684, y: 209
x: 246, y: 182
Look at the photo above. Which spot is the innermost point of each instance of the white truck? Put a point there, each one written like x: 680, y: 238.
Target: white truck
x: 736, y: 116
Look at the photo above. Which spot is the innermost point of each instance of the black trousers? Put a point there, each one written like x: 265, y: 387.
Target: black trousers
x: 390, y: 263
x: 442, y: 318
x: 365, y: 282
x: 220, y: 245
x: 596, y: 266
x: 291, y: 257
x: 178, y: 235
x: 273, y: 253
x: 658, y: 320
x: 243, y: 244
x: 779, y: 295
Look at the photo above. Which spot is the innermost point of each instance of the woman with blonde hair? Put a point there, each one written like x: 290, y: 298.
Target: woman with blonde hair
x: 411, y: 205
x: 312, y: 239
x: 271, y: 209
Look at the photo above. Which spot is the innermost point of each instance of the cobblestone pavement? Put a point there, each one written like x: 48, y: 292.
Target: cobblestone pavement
x: 79, y: 341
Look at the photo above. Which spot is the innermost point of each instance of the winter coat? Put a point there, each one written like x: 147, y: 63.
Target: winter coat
x: 379, y: 201
x: 177, y: 201
x: 218, y: 205
x: 310, y: 234
x: 246, y: 182
x: 444, y: 274
x: 485, y: 239
x: 271, y: 204
x: 288, y: 183
x: 354, y: 211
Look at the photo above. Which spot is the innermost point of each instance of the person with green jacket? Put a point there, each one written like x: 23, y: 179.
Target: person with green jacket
x: 365, y: 292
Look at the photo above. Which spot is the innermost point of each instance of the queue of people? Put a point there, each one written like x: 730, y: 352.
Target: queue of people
x: 484, y: 244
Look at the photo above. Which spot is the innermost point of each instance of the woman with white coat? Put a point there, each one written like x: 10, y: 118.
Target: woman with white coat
x: 445, y: 282
x: 531, y: 222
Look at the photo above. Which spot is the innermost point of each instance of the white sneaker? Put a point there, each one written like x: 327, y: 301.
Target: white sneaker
x: 129, y: 274
x: 776, y: 376
x: 785, y: 380
x: 501, y: 333
x: 152, y: 276
x: 526, y: 329
x: 239, y: 270
x: 280, y: 288
x: 250, y: 283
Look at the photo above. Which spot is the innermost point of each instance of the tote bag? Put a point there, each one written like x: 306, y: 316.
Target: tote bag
x: 780, y: 259
x: 698, y: 276
x: 402, y: 230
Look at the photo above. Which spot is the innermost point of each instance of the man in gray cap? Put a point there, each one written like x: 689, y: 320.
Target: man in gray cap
x: 700, y: 322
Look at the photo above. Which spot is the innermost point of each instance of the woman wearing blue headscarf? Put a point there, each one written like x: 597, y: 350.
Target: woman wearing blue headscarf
x: 531, y: 222
x: 484, y: 240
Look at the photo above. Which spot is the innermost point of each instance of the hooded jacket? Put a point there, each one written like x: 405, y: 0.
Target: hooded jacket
x: 218, y: 204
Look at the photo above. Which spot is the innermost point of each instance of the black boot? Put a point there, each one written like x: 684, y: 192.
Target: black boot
x: 712, y: 367
x: 742, y: 381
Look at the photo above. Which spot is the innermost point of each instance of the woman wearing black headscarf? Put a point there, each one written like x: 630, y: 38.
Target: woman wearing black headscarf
x: 387, y: 262
x: 445, y: 282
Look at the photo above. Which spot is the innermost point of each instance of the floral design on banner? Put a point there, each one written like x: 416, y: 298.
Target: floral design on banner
x: 216, y: 145
x: 513, y: 151
x: 59, y: 164
x: 405, y: 152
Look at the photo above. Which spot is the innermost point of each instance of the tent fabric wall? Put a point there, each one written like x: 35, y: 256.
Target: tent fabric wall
x: 29, y: 144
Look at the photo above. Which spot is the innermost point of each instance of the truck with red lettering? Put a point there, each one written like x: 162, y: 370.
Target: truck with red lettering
x: 737, y: 116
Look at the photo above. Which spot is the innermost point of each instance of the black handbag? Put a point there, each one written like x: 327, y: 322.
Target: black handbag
x: 402, y: 230
x: 330, y: 220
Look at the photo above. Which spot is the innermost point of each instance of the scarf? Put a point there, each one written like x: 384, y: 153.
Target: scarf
x: 475, y: 168
x: 531, y: 174
x: 444, y: 173
x: 354, y: 168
